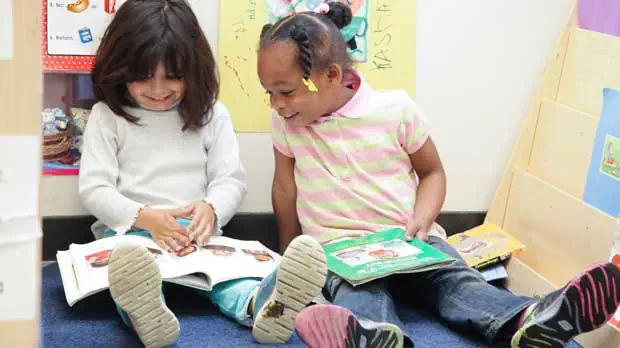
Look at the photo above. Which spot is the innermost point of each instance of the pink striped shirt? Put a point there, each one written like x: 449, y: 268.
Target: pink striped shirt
x: 352, y: 168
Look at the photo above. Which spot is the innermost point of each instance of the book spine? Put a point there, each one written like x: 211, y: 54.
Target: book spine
x: 494, y: 260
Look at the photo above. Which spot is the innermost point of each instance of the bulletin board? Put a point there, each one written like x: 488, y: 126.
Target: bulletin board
x: 72, y: 31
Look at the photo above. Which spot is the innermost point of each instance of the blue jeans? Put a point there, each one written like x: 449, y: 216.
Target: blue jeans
x: 458, y: 294
x: 231, y: 297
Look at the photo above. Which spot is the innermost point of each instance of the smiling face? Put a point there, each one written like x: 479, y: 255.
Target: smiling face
x: 281, y: 76
x: 158, y: 92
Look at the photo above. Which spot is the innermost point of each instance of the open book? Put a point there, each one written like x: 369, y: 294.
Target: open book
x: 361, y: 260
x: 84, y: 270
x: 485, y: 245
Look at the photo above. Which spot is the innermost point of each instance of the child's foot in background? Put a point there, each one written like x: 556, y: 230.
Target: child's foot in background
x: 283, y: 294
x: 135, y: 285
x: 584, y: 304
x: 329, y: 326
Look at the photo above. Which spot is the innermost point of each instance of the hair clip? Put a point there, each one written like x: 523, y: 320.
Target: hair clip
x: 322, y: 8
x: 310, y: 85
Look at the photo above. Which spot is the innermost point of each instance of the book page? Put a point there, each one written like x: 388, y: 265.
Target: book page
x: 69, y: 279
x: 253, y: 260
x: 222, y: 259
x: 226, y: 258
x: 198, y: 281
x: 191, y: 260
x: 91, y: 260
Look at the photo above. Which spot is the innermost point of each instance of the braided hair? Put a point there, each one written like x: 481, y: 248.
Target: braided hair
x: 318, y: 38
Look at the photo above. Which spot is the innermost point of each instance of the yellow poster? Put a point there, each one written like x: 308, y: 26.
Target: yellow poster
x: 382, y: 34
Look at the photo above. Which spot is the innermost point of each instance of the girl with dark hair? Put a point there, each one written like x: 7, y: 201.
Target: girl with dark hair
x: 161, y: 160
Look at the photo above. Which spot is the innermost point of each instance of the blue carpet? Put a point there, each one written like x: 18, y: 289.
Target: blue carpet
x: 93, y: 322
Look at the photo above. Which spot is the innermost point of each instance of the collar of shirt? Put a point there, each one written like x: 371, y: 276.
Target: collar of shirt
x: 356, y: 107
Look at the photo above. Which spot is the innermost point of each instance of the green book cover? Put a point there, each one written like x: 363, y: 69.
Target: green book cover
x: 360, y: 260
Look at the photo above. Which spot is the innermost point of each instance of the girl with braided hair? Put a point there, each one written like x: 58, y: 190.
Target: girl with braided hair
x: 350, y: 161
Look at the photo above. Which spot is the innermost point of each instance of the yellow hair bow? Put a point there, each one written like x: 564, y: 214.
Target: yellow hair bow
x: 310, y: 85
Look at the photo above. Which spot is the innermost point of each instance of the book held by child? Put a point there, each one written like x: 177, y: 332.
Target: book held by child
x: 84, y: 270
x: 361, y: 260
x: 485, y: 245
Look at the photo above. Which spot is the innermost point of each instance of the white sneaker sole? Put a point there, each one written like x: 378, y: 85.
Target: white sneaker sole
x: 300, y: 278
x: 136, y: 286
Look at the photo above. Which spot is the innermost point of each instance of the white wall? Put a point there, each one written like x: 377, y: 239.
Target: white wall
x: 478, y: 65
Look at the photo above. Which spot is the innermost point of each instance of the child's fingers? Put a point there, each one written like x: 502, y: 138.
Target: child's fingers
x: 173, y: 244
x: 182, y: 239
x: 205, y: 231
x: 204, y: 237
x: 201, y: 228
x: 162, y: 244
x: 168, y: 242
x: 185, y: 212
x: 411, y: 232
x: 422, y: 234
x: 174, y: 231
x: 194, y: 226
x: 172, y: 226
x: 207, y: 234
x: 191, y: 228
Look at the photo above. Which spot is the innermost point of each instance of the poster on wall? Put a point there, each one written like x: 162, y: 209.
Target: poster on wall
x: 603, y: 181
x: 381, y: 40
x: 72, y: 30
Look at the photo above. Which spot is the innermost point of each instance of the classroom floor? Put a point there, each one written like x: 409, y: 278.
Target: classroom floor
x: 93, y: 322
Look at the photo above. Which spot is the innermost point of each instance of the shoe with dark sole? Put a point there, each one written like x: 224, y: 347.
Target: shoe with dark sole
x: 586, y: 303
x: 329, y: 326
x: 136, y: 286
x: 281, y: 296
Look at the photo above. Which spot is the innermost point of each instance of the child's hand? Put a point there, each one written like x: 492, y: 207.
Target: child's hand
x: 203, y: 222
x: 164, y: 228
x: 417, y: 228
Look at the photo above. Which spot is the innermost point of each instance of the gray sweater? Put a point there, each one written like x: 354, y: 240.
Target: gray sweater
x: 126, y: 166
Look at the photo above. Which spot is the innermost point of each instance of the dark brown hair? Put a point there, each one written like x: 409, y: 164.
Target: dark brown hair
x: 318, y: 37
x: 144, y: 33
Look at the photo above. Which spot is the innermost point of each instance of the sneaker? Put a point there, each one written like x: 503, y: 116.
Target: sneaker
x: 135, y: 285
x: 586, y: 303
x: 281, y: 296
x: 329, y: 326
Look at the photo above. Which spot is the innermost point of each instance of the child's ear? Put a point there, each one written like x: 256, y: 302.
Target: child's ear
x: 334, y: 74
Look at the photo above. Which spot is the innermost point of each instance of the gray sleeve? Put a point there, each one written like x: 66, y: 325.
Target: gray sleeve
x: 99, y: 172
x: 226, y: 176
